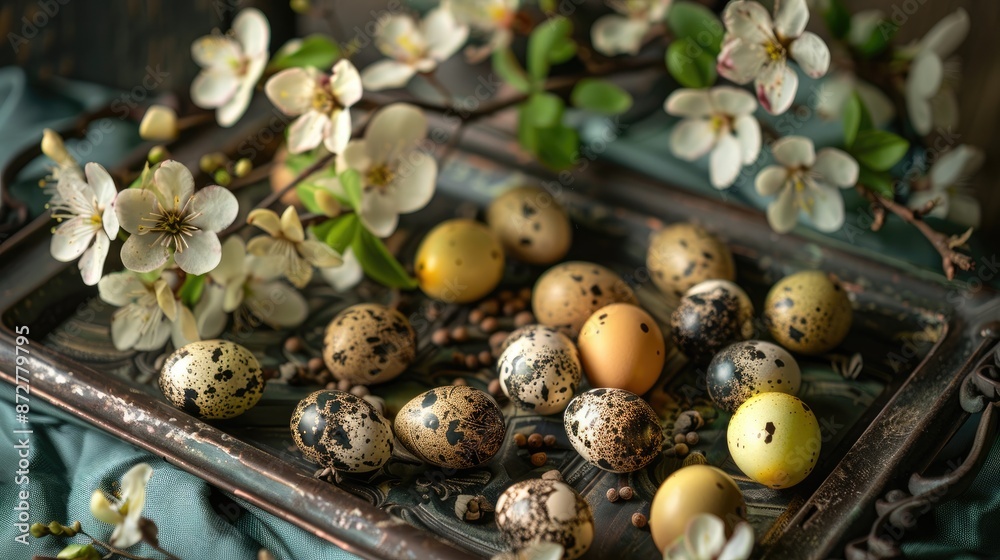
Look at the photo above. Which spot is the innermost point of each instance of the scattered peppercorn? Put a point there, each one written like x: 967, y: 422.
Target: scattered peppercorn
x: 471, y: 361
x: 681, y: 449
x: 549, y: 440
x: 315, y: 365
x: 680, y: 438
x: 460, y: 334
x: 535, y: 441
x: 612, y: 495
x: 459, y: 381
x: 476, y: 316
x: 520, y: 440
x: 293, y: 344
x: 625, y: 493
x: 539, y: 459
x: 692, y: 438
x: 523, y: 318
x: 485, y: 357
x: 440, y: 337
x: 489, y: 324
x: 639, y: 520
x: 360, y: 391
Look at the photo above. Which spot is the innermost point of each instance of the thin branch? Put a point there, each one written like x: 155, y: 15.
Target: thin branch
x: 950, y: 258
x: 161, y: 551
x: 110, y: 548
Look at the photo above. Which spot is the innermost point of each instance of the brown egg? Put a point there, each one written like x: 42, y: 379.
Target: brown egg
x: 621, y: 346
x: 459, y: 261
x: 808, y: 313
x: 568, y: 293
x: 531, y: 225
x: 710, y: 316
x: 691, y: 491
x: 368, y: 343
x: 683, y: 255
x: 613, y: 429
x: 455, y: 426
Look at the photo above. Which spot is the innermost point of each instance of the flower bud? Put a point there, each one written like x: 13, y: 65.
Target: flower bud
x: 243, y: 166
x: 327, y: 203
x: 222, y: 177
x: 157, y: 154
x: 53, y: 146
x: 38, y: 530
x: 159, y: 124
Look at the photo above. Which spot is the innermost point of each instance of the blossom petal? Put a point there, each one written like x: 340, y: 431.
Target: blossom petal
x: 71, y: 239
x: 963, y: 209
x: 740, y: 545
x: 833, y: 93
x: 827, y: 208
x: 354, y: 156
x: 387, y: 74
x: 119, y: 288
x: 794, y: 151
x: 291, y: 225
x: 926, y: 74
x: 741, y: 61
x: 263, y: 246
x: 209, y: 314
x: 921, y: 115
x: 143, y: 254
x: 155, y: 333
x: 732, y: 100
x: 345, y: 276
x: 415, y: 182
x: 748, y: 133
x: 692, y: 138
x: 345, y: 83
x: 92, y: 263
x: 232, y: 266
x: 614, y: 34
x: 835, y: 167
x: 397, y: 37
x: 770, y: 180
x: 173, y: 184
x: 811, y: 53
x: 318, y: 254
x: 265, y: 219
x: 202, y: 254
x: 185, y: 328
x: 214, y: 208
x: 131, y: 206
x: 920, y: 199
x: 165, y: 299
x: 705, y: 535
x: 783, y: 212
x: 725, y: 161
x: 790, y: 18
x: 944, y: 107
x: 99, y: 180
x: 291, y: 90
x: 215, y: 51
x: 879, y: 106
x: 298, y: 271
x: 443, y: 33
x: 133, y: 490
x: 102, y: 509
x: 126, y: 330
x: 689, y: 103
x: 214, y: 87
x: 252, y: 31
x: 394, y: 130
x: 307, y: 131
x: 748, y: 21
x: 278, y: 305
x: 231, y: 111
x: 954, y: 166
x: 340, y: 133
x: 776, y: 87
x: 947, y: 34
x: 379, y: 213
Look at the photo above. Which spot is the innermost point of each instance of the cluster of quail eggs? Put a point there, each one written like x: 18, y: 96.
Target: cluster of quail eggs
x: 590, y: 330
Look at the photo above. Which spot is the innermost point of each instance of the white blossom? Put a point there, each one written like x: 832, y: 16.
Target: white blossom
x: 623, y: 33
x: 838, y: 88
x: 149, y: 313
x: 705, y: 539
x: 86, y: 213
x: 296, y: 255
x: 494, y: 18
x: 124, y: 512
x: 930, y: 93
x: 943, y: 184
x: 413, y: 47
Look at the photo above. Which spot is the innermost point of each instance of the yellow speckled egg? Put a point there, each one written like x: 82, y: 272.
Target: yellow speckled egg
x: 569, y: 293
x: 622, y: 347
x: 808, y: 312
x: 682, y: 255
x: 212, y: 379
x: 774, y: 438
x: 531, y: 225
x: 459, y: 261
x: 689, y: 492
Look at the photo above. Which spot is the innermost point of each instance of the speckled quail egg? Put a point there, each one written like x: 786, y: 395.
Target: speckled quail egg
x: 691, y: 491
x: 341, y: 431
x: 744, y: 369
x: 613, y: 429
x: 456, y: 426
x: 368, y: 343
x: 774, y: 438
x: 568, y: 293
x: 621, y: 346
x: 531, y: 225
x: 540, y: 371
x: 212, y: 379
x: 545, y: 510
x: 711, y: 315
x: 808, y: 312
x: 459, y: 261
x: 682, y: 255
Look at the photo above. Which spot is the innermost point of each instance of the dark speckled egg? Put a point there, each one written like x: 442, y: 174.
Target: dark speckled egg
x: 540, y: 510
x: 808, y: 312
x: 745, y: 369
x: 456, y: 426
x: 212, y: 379
x: 368, y: 343
x: 613, y: 429
x: 540, y: 370
x: 341, y: 431
x: 710, y: 316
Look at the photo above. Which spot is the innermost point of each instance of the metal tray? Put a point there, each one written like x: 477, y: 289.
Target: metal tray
x: 920, y: 338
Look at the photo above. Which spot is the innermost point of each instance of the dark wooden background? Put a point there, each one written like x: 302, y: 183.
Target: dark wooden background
x: 120, y: 42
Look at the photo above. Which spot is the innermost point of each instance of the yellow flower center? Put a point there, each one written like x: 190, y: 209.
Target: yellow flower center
x: 409, y: 46
x: 96, y: 220
x: 719, y: 122
x: 380, y: 176
x: 173, y: 225
x: 805, y: 201
x: 323, y: 100
x: 775, y: 50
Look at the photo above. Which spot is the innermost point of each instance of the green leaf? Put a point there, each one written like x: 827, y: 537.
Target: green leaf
x: 879, y: 38
x: 145, y: 179
x: 690, y: 64
x: 342, y: 232
x: 79, y: 552
x: 600, y: 96
x: 855, y: 119
x: 558, y: 146
x: 550, y: 43
x: 378, y: 263
x: 541, y: 110
x: 191, y: 290
x: 878, y: 181
x: 506, y: 66
x: 838, y: 18
x: 878, y: 149
x: 350, y: 180
x: 317, y: 51
x: 697, y: 23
